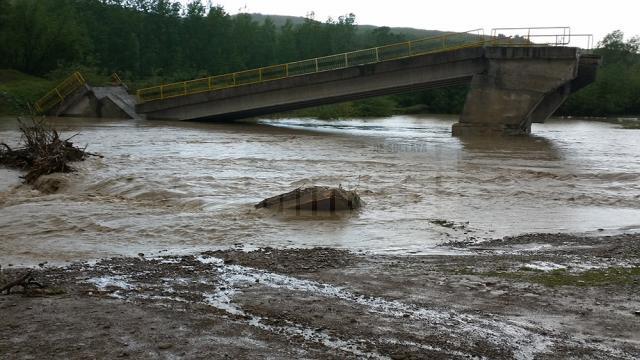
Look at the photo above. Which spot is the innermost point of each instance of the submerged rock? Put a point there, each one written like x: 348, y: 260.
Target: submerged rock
x: 51, y: 184
x: 315, y: 198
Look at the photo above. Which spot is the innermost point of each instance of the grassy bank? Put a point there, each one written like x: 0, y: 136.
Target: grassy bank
x: 376, y: 107
x: 369, y: 108
x: 17, y: 90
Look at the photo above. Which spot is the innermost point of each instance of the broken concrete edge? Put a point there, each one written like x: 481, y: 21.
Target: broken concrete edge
x: 314, y: 198
x: 113, y: 102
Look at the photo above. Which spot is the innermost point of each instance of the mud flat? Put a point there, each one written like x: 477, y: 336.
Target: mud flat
x: 541, y: 296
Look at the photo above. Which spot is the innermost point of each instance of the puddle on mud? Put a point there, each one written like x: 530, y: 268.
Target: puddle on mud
x: 230, y: 280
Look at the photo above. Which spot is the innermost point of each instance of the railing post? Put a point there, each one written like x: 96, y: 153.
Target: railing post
x: 317, y: 67
x: 184, y: 85
x: 234, y: 79
x: 260, y: 75
x: 410, y: 50
x: 346, y: 60
x: 286, y: 70
x: 210, y: 83
x: 59, y: 95
x: 161, y: 92
x: 377, y: 55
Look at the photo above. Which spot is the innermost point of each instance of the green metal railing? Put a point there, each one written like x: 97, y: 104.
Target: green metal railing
x: 517, y: 37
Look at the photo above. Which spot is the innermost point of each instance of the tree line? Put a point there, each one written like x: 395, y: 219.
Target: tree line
x: 617, y: 88
x: 158, y: 37
x: 149, y: 41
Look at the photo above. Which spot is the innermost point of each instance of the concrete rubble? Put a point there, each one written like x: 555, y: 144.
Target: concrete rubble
x: 315, y: 198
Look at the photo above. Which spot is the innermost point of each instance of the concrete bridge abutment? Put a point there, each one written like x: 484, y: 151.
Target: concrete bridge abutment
x: 520, y: 86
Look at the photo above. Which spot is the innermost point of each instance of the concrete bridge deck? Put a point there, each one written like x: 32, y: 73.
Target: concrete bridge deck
x: 389, y: 77
x: 511, y: 87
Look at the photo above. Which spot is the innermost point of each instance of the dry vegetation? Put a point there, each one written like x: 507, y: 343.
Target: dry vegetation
x: 42, y: 151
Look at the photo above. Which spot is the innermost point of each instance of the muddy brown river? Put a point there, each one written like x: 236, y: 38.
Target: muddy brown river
x: 189, y: 187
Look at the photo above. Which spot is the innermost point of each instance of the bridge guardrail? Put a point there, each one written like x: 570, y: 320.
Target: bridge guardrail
x: 60, y: 93
x: 540, y: 36
x: 446, y: 42
x: 537, y: 36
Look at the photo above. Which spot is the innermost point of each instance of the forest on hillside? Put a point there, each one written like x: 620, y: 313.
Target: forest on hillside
x: 153, y: 41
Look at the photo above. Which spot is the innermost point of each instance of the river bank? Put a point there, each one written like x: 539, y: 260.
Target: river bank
x: 548, y: 296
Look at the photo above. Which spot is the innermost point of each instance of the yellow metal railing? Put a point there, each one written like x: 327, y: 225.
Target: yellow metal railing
x: 540, y: 36
x: 60, y: 93
x: 446, y: 42
x: 115, y: 79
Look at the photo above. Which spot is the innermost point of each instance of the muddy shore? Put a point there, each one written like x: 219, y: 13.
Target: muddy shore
x: 542, y: 296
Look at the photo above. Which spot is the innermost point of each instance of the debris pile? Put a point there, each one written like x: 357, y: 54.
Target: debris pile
x: 42, y: 151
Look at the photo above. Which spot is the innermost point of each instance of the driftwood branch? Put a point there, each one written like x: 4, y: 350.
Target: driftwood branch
x: 42, y: 151
x: 25, y: 281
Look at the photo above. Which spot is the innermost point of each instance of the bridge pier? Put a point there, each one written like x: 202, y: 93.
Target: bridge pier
x: 520, y: 85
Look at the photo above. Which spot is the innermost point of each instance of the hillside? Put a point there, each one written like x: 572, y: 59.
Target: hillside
x: 410, y: 33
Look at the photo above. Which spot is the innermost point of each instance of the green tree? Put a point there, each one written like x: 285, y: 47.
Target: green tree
x: 4, y: 16
x: 265, y: 44
x: 218, y: 47
x: 616, y: 90
x: 286, y: 43
x: 44, y: 34
x: 310, y: 40
x: 194, y: 36
x: 615, y: 42
x: 382, y: 36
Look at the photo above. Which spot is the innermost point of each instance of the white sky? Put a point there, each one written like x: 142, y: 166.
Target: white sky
x: 583, y: 16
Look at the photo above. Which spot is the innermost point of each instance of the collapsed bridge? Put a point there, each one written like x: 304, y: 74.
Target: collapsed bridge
x: 514, y: 81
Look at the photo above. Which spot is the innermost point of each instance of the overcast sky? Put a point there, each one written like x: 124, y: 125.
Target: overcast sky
x: 583, y: 16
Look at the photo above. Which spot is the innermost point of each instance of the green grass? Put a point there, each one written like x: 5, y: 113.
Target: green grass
x: 596, y: 277
x: 630, y: 124
x: 18, y: 89
x: 368, y: 108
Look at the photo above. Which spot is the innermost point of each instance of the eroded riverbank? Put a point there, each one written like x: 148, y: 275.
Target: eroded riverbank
x: 533, y: 296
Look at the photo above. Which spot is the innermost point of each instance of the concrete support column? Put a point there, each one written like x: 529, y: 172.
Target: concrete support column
x: 521, y: 85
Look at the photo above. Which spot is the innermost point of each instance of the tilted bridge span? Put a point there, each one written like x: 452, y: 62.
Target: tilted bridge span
x: 514, y: 80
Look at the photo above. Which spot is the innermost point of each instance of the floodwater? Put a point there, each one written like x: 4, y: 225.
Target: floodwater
x: 185, y: 187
